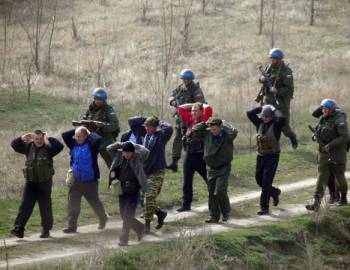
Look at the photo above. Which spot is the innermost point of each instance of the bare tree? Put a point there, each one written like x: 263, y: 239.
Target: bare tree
x: 53, y: 24
x: 144, y: 9
x: 312, y: 12
x: 7, y: 16
x: 273, y: 23
x: 74, y: 27
x: 261, y: 17
x: 204, y: 5
x: 36, y: 30
x: 187, y: 12
x: 28, y: 75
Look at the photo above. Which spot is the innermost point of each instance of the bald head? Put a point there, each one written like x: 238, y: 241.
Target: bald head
x: 81, y: 134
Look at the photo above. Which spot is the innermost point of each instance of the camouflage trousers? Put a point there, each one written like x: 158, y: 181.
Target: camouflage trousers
x: 155, y: 183
x: 287, y: 130
x: 325, y: 171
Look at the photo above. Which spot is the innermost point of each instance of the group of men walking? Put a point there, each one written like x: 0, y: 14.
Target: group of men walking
x: 138, y: 162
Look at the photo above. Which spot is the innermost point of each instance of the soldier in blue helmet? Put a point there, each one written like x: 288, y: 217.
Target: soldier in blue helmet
x: 187, y: 92
x: 281, y: 92
x: 332, y: 136
x: 108, y: 129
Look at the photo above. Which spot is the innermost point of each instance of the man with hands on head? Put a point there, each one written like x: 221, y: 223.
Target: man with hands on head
x: 38, y: 173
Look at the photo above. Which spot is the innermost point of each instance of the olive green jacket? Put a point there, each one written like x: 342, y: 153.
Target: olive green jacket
x: 333, y: 130
x: 284, y: 85
x: 217, y: 153
x: 106, y: 114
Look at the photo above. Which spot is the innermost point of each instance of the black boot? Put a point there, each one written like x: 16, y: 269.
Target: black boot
x: 173, y: 165
x: 161, y: 216
x: 19, y: 233
x: 276, y: 197
x: 315, y: 206
x: 147, y: 227
x: 294, y: 141
x: 343, y: 200
x: 45, y: 233
x: 263, y: 212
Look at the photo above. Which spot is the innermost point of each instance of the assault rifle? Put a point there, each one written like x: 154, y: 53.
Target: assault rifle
x: 91, y: 125
x: 267, y: 84
x: 321, y: 143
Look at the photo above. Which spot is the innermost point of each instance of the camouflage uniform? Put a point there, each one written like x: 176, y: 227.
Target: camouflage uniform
x: 285, y: 90
x: 155, y: 182
x: 332, y: 130
x: 109, y: 132
x: 182, y: 95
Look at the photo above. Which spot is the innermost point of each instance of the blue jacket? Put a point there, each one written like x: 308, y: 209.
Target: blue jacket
x: 156, y: 159
x: 93, y: 141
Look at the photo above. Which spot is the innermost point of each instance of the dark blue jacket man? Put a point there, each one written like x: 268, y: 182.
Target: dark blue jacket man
x: 84, y: 148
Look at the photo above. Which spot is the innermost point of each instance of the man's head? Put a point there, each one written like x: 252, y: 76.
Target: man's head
x: 328, y: 106
x: 276, y: 56
x: 39, y: 138
x: 151, y: 124
x: 187, y: 76
x: 81, y: 134
x: 197, y: 111
x: 215, y: 125
x: 128, y: 150
x: 267, y: 114
x: 100, y: 96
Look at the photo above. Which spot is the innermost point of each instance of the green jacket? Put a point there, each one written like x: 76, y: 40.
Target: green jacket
x: 191, y: 94
x: 106, y: 114
x: 217, y: 153
x: 333, y: 130
x: 284, y: 85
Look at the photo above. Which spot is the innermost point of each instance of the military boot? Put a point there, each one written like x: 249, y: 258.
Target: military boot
x: 173, y: 165
x: 147, y: 227
x: 343, y: 200
x: 315, y: 206
x: 294, y: 141
x: 161, y: 216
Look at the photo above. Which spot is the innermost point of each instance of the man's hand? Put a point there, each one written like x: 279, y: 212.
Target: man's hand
x: 325, y: 148
x: 100, y: 124
x: 262, y: 79
x: 273, y: 90
x: 27, y: 137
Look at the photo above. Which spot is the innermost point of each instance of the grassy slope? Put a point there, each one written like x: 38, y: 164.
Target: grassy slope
x: 301, y: 243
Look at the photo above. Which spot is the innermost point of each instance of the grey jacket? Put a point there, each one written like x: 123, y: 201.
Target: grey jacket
x: 136, y: 162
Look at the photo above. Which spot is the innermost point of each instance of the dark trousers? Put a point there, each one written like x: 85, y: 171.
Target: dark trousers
x: 333, y: 187
x: 88, y: 190
x: 192, y: 163
x: 266, y: 166
x: 127, y: 205
x: 35, y: 192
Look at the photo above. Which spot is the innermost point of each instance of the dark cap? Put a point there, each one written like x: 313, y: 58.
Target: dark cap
x: 39, y: 132
x: 214, y: 121
x: 152, y: 121
x: 267, y: 111
x: 128, y: 147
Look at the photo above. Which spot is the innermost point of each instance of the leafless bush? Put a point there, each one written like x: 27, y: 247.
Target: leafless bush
x: 28, y: 75
x: 187, y: 12
x: 313, y: 260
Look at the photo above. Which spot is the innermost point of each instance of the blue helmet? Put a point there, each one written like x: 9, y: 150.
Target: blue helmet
x: 328, y: 103
x: 187, y: 74
x: 276, y: 53
x: 99, y: 93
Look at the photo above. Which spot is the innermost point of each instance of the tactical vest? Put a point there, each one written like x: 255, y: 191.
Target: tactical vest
x: 38, y: 168
x: 267, y: 143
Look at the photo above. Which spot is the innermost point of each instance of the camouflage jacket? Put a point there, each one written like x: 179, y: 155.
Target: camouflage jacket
x: 182, y: 94
x: 105, y: 114
x: 333, y: 130
x: 283, y: 81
